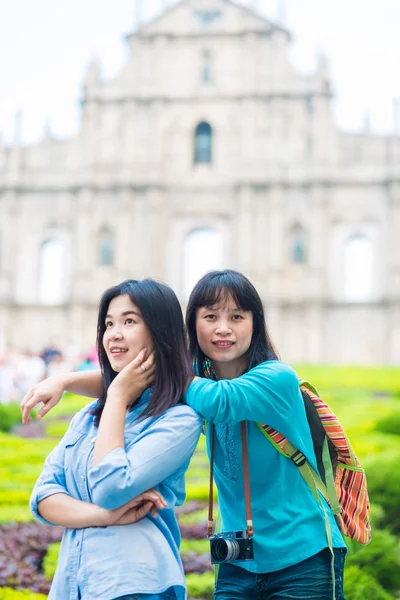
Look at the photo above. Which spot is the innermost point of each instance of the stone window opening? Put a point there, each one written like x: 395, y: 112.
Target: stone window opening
x: 52, y: 257
x: 206, y: 74
x: 106, y: 247
x: 298, y: 246
x: 203, y: 141
x: 358, y: 268
x: 202, y: 252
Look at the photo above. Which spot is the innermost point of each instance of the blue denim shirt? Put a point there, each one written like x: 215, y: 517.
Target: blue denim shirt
x: 143, y: 558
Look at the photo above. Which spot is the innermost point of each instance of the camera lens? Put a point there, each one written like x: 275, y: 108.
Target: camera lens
x: 223, y: 550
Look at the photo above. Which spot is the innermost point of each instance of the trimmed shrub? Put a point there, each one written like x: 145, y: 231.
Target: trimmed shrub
x: 22, y: 548
x: 56, y: 428
x: 390, y: 423
x: 202, y: 586
x: 50, y: 560
x: 384, y: 489
x: 10, y: 594
x: 359, y: 585
x: 10, y: 415
x: 380, y: 559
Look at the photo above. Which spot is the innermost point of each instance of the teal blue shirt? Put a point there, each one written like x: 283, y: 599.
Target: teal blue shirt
x: 289, y: 525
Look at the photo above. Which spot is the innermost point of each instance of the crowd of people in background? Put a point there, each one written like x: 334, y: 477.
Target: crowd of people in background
x: 21, y: 371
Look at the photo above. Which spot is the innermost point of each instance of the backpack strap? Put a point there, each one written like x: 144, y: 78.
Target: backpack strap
x: 309, y: 386
x: 315, y: 483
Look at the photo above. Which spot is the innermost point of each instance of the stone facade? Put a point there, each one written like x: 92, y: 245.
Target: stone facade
x: 208, y: 133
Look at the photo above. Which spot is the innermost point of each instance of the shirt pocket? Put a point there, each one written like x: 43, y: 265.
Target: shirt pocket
x: 72, y: 437
x: 72, y: 441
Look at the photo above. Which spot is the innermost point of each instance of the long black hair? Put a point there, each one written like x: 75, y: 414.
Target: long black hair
x: 214, y: 288
x: 162, y: 314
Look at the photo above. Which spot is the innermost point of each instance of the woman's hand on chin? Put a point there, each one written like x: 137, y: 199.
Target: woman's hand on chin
x: 133, y: 379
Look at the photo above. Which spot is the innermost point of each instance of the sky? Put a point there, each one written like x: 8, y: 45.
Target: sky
x: 46, y: 45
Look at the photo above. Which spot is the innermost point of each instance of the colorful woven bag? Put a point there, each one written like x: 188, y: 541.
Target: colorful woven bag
x: 340, y: 478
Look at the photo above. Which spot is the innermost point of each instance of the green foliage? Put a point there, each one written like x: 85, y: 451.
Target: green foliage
x: 13, y: 497
x: 10, y: 594
x: 381, y: 380
x: 198, y: 491
x: 390, y: 423
x: 201, y: 586
x: 377, y: 516
x: 380, y: 559
x: 50, y: 560
x: 69, y: 405
x: 22, y: 460
x: 359, y: 585
x: 384, y: 489
x: 20, y: 513
x: 10, y: 415
x: 56, y: 428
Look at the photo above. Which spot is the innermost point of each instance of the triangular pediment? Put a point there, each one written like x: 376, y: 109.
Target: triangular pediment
x: 207, y: 17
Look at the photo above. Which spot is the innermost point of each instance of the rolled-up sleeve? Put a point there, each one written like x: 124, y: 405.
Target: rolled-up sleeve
x: 51, y: 481
x: 164, y: 449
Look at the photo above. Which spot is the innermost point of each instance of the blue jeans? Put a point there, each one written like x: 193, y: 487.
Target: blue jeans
x: 310, y: 579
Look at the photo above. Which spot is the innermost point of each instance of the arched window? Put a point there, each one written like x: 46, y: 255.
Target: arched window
x: 298, y: 246
x: 203, y: 251
x: 203, y: 144
x: 52, y: 272
x: 106, y: 247
x: 206, y: 74
x: 358, y: 269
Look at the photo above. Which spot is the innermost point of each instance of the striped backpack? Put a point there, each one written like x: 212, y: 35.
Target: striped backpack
x: 340, y: 478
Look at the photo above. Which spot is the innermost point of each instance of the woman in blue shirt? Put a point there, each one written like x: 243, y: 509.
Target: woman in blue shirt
x: 124, y: 457
x: 229, y: 342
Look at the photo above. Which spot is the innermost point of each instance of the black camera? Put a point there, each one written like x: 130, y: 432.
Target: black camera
x: 230, y: 546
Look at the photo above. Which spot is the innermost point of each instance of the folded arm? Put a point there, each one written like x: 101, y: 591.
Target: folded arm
x: 62, y: 509
x: 162, y: 450
x: 52, y: 504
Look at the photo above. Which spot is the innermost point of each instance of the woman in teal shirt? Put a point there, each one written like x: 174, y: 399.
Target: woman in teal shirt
x: 229, y: 341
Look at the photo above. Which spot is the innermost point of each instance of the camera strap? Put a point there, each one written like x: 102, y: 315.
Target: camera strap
x: 249, y: 518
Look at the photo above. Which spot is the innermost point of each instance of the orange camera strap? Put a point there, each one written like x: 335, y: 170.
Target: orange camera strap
x: 249, y: 518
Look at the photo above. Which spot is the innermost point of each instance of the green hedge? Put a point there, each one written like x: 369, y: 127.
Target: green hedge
x: 380, y: 559
x: 359, y: 585
x: 50, y: 560
x: 10, y: 594
x: 390, y: 423
x: 384, y: 489
x: 10, y: 415
x: 200, y: 586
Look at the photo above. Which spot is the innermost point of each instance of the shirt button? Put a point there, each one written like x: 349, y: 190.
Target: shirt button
x: 77, y: 542
x: 82, y: 478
